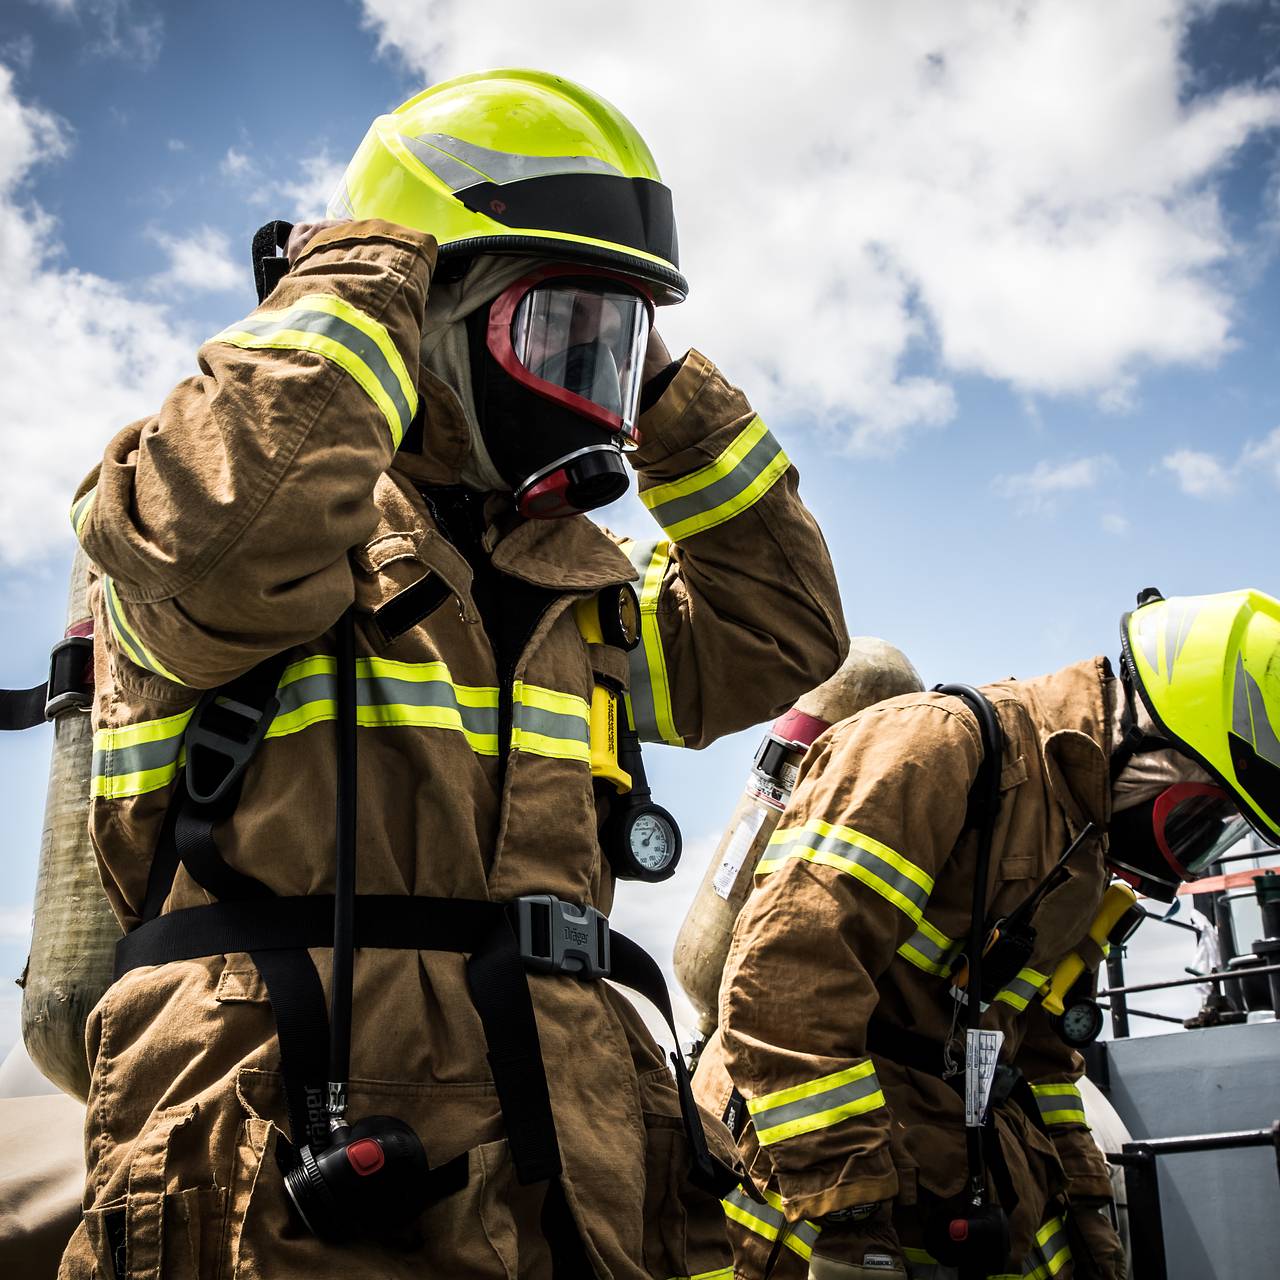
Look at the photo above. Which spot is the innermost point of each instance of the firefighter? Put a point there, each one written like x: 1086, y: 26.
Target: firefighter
x: 840, y: 1058
x: 397, y: 447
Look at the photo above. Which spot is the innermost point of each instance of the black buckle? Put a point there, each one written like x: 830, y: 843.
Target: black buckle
x: 557, y: 937
x: 220, y: 741
x: 68, y: 690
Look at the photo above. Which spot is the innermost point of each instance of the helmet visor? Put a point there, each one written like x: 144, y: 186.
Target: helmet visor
x: 578, y: 340
x: 1195, y: 824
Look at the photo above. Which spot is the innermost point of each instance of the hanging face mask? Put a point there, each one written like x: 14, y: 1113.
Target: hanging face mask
x: 1161, y: 843
x: 557, y: 360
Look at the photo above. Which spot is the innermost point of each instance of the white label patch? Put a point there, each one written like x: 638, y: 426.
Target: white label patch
x: 982, y: 1054
x: 734, y: 853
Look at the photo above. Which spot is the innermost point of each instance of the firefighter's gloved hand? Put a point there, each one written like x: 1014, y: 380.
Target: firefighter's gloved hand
x: 1096, y: 1251
x: 858, y: 1244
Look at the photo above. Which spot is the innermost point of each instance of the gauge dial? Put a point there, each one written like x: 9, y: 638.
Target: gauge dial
x: 1081, y: 1023
x: 652, y: 840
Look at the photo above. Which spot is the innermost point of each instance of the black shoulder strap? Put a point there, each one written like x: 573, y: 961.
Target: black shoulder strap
x: 269, y: 268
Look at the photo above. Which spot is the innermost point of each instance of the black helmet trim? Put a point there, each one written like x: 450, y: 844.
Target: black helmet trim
x: 671, y: 283
x: 629, y: 211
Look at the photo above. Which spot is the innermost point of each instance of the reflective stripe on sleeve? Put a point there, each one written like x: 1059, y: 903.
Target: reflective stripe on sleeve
x: 720, y: 1273
x: 1050, y: 1254
x: 127, y: 638
x: 713, y: 494
x: 815, y: 1104
x: 1060, y: 1103
x: 1018, y: 992
x: 767, y: 1220
x: 929, y: 949
x: 134, y: 759
x: 860, y: 856
x: 330, y: 327
x: 80, y: 510
x: 649, y: 698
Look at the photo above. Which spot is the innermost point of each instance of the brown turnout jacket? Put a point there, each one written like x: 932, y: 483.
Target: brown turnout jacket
x: 242, y: 520
x: 860, y: 902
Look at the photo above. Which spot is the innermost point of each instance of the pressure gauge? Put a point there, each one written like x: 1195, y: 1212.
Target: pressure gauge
x: 642, y: 842
x: 1080, y: 1023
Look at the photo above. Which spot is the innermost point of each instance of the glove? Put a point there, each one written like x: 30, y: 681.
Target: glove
x: 858, y: 1244
x: 1095, y: 1246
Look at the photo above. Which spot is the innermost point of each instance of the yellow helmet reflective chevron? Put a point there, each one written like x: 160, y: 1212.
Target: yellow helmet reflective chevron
x: 519, y: 161
x: 1208, y: 670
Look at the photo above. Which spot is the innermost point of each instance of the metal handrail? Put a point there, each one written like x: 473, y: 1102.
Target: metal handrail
x: 1250, y: 971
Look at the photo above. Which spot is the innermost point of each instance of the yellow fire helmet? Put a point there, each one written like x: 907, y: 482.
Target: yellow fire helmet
x: 519, y: 161
x: 1208, y: 670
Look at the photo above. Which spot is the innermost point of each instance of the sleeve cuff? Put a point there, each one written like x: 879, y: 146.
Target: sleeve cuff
x: 674, y: 423
x: 371, y: 230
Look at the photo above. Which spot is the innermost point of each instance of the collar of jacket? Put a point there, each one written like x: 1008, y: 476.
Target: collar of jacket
x: 1069, y: 715
x: 572, y: 554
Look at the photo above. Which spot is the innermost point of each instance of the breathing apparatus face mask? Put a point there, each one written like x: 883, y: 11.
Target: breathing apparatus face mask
x: 557, y: 360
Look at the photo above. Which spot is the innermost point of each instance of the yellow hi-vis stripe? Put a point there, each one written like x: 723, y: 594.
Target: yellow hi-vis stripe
x: 815, y: 1104
x: 134, y: 759
x: 1021, y: 990
x: 331, y: 327
x: 768, y: 1220
x: 856, y: 854
x: 81, y: 508
x: 720, y: 1273
x: 724, y: 488
x: 649, y: 708
x: 929, y: 949
x: 127, y: 638
x: 1060, y: 1103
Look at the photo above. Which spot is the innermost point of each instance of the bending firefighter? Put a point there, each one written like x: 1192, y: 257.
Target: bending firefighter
x: 961, y: 841
x: 356, y: 646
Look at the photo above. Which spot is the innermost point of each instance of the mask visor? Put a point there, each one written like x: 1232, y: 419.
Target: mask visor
x: 578, y: 339
x: 1195, y: 824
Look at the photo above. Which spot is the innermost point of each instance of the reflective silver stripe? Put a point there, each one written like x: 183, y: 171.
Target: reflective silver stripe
x: 551, y: 724
x: 768, y: 1219
x: 1249, y: 719
x: 649, y: 695
x: 1059, y: 1103
x: 142, y: 757
x: 862, y: 857
x: 817, y: 1104
x: 1050, y: 1253
x: 676, y: 510
x: 346, y: 335
x: 80, y: 511
x: 441, y: 154
x: 923, y: 951
x: 1019, y: 991
x: 340, y: 202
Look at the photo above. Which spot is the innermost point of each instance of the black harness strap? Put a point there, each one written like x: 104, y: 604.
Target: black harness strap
x: 23, y: 708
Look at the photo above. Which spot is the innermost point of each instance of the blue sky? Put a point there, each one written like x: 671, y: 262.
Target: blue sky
x: 1005, y: 286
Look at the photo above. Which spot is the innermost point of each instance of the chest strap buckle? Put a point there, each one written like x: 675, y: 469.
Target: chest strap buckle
x: 558, y: 937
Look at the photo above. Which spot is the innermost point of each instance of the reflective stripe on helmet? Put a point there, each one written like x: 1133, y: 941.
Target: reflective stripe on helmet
x: 81, y: 508
x: 649, y: 696
x: 134, y: 759
x: 326, y: 325
x: 127, y: 638
x: 877, y: 866
x: 768, y: 1220
x: 816, y: 1104
x: 461, y: 164
x: 1019, y: 991
x: 1060, y: 1103
x: 736, y: 480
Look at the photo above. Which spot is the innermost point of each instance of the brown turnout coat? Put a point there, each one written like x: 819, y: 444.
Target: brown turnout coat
x: 241, y: 520
x: 859, y: 902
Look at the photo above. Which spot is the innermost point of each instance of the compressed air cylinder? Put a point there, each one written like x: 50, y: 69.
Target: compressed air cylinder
x: 872, y: 672
x: 74, y: 930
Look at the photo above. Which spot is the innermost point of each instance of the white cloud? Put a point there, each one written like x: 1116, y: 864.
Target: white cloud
x: 198, y: 263
x: 1039, y: 488
x: 176, y: 144
x: 236, y: 164
x: 1199, y: 474
x: 78, y: 358
x: 305, y: 196
x: 1115, y: 523
x: 1027, y: 189
x: 121, y: 31
x: 1264, y: 455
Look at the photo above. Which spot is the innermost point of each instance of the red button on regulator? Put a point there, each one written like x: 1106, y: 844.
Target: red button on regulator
x: 959, y: 1229
x: 365, y: 1157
